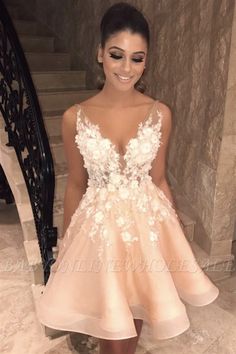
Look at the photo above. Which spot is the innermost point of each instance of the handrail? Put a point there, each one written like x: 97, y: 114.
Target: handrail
x: 24, y: 124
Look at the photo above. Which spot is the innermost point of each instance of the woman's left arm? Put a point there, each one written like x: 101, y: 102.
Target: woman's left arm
x: 158, y: 170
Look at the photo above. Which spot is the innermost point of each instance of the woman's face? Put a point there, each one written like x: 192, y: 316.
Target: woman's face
x: 123, y: 58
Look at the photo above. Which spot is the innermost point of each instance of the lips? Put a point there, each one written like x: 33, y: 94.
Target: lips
x: 124, y: 78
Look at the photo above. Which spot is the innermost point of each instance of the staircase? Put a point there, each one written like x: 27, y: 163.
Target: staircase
x: 58, y: 88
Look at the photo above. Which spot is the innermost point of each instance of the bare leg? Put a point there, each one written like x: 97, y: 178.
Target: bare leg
x: 134, y: 341
x: 107, y: 346
x: 122, y: 346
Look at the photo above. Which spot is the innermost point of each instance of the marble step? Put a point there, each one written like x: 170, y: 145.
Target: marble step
x: 36, y: 43
x: 48, y: 61
x: 27, y: 220
x: 16, y: 179
x: 59, y: 80
x: 61, y: 100
x: 26, y: 27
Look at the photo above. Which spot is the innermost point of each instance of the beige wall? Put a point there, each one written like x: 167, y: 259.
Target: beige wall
x: 188, y: 69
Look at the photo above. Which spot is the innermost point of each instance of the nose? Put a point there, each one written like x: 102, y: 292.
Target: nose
x: 126, y: 65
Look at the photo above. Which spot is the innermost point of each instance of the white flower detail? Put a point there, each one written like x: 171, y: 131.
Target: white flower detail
x: 111, y: 187
x: 91, y: 144
x: 127, y: 178
x: 151, y: 220
x: 105, y: 144
x: 120, y: 221
x: 164, y: 212
x: 127, y: 237
x: 155, y: 205
x: 96, y: 154
x: 145, y: 148
x: 134, y: 184
x: 153, y: 236
x: 123, y: 192
x: 147, y: 131
x: 115, y: 179
x: 134, y: 143
x: 103, y: 193
x: 99, y: 216
x: 108, y: 205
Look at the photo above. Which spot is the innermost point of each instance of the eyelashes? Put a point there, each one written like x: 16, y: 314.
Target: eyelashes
x: 118, y: 57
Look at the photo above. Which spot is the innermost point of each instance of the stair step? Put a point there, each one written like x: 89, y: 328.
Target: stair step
x: 62, y: 100
x: 25, y: 27
x: 59, y: 80
x: 28, y: 222
x: 48, y: 61
x: 36, y: 43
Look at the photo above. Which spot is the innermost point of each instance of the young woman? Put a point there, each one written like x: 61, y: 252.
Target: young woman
x: 124, y: 258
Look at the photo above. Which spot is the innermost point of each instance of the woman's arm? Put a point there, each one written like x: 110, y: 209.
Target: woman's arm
x: 158, y: 170
x: 77, y: 174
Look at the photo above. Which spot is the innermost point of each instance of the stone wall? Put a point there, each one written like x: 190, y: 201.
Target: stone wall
x: 187, y: 69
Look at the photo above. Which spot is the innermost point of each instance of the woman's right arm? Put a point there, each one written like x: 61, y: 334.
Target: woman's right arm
x: 77, y: 174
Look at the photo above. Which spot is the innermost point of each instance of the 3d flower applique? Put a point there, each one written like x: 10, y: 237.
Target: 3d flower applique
x: 147, y: 132
x: 120, y: 221
x: 111, y: 187
x: 115, y: 178
x: 103, y: 193
x: 134, y: 184
x: 151, y: 220
x: 145, y: 147
x: 108, y: 205
x: 96, y: 154
x: 91, y: 144
x: 99, y: 216
x: 164, y: 212
x: 105, y: 144
x: 134, y: 144
x: 155, y: 204
x: 124, y: 192
x: 127, y: 237
x: 153, y: 236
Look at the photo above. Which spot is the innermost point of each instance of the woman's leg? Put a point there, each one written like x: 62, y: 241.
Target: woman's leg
x: 122, y: 346
x: 111, y: 346
x: 134, y: 341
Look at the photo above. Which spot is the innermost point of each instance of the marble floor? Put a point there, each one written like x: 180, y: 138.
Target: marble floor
x: 212, y: 331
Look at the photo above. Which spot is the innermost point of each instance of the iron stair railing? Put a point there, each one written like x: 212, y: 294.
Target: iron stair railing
x: 24, y: 124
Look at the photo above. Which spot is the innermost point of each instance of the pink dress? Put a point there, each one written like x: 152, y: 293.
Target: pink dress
x: 124, y: 254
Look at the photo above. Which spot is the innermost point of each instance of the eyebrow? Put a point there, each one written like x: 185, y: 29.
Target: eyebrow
x: 115, y: 47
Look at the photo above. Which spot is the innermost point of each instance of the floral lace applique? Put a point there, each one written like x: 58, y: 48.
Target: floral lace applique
x: 116, y: 179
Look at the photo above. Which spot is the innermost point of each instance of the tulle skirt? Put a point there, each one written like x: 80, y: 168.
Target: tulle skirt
x: 101, y: 296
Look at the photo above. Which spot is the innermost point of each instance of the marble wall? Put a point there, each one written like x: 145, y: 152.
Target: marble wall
x: 188, y: 69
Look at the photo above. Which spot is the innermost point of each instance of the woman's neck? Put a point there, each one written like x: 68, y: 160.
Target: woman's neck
x: 118, y: 98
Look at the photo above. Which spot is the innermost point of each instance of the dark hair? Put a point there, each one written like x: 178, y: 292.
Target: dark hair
x: 120, y: 17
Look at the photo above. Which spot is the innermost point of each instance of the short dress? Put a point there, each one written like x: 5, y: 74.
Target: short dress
x: 124, y: 255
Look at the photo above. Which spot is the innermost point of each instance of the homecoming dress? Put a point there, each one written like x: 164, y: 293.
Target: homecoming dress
x: 124, y: 255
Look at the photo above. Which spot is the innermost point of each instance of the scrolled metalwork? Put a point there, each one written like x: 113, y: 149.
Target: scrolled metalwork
x: 24, y: 124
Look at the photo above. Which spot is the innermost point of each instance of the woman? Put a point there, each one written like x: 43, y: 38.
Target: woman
x: 124, y: 258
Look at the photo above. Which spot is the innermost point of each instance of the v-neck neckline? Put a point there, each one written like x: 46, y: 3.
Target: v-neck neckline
x: 148, y: 117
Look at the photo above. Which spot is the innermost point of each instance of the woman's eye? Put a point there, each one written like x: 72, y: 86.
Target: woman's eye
x: 115, y: 56
x: 138, y: 60
x: 118, y: 57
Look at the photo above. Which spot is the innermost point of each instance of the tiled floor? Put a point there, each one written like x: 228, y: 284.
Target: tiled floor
x: 212, y: 331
